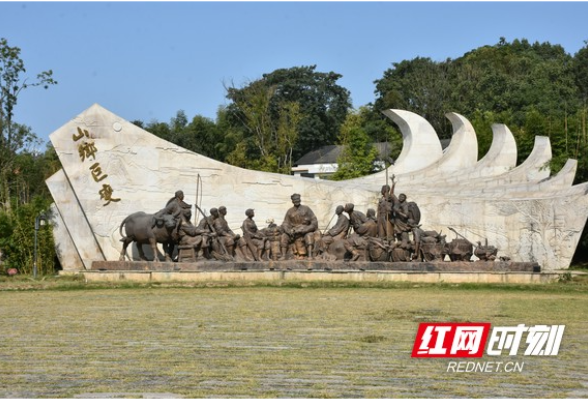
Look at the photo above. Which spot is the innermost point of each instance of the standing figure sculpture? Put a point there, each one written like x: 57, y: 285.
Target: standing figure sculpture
x: 406, y: 216
x: 385, y: 216
x: 299, y: 226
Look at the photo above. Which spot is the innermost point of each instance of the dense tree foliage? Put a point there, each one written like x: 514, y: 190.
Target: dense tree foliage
x: 23, y: 170
x: 287, y: 113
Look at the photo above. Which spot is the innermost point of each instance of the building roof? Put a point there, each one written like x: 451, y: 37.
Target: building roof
x: 329, y: 154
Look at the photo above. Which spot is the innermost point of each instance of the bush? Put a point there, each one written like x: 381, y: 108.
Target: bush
x: 17, y: 239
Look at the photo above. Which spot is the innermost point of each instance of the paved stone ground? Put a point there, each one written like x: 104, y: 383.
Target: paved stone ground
x: 272, y: 342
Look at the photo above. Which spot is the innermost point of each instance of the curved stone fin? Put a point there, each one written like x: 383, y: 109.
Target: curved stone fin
x: 500, y: 158
x: 531, y: 172
x: 462, y: 151
x: 565, y: 177
x: 419, y: 138
x: 536, y: 165
x: 459, y: 156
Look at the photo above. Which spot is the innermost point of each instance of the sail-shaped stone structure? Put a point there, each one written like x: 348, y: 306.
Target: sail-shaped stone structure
x: 112, y: 168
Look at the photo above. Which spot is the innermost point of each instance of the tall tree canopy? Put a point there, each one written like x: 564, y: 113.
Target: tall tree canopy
x: 294, y: 110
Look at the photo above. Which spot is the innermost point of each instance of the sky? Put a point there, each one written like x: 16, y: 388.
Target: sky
x: 148, y: 60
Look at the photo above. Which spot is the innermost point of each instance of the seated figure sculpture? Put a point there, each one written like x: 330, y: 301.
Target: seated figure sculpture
x: 255, y: 241
x: 273, y: 234
x: 227, y: 238
x: 364, y: 228
x: 338, y: 231
x: 299, y: 227
x: 200, y: 237
x: 177, y: 207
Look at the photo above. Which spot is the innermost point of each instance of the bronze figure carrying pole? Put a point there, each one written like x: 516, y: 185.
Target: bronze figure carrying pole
x: 222, y: 246
x: 331, y: 220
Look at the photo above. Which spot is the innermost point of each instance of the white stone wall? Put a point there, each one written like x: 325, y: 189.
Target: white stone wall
x: 526, y: 214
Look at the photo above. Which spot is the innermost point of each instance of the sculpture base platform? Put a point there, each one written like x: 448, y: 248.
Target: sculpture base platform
x: 316, y: 272
x: 318, y: 265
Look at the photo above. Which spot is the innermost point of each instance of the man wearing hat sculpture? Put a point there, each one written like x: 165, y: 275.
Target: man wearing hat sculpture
x: 299, y: 226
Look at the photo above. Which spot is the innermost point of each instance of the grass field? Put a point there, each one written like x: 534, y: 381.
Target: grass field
x: 69, y: 339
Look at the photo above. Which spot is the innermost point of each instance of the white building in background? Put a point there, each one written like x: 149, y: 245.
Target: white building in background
x: 322, y: 163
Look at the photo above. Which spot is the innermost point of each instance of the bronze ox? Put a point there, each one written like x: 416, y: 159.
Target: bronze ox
x: 429, y: 245
x: 432, y: 248
x: 460, y: 250
x: 143, y: 228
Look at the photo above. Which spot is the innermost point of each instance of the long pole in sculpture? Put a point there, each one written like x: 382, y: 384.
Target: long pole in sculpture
x: 198, y: 191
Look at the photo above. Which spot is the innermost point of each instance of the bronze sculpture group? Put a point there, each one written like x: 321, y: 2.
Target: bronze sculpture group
x: 392, y: 233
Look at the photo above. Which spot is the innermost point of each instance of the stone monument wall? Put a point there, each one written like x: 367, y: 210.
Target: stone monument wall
x: 112, y: 168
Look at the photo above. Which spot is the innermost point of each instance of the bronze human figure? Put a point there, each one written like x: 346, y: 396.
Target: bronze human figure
x: 356, y: 218
x: 406, y: 216
x: 255, y: 241
x: 177, y: 207
x: 228, y: 239
x: 363, y: 228
x: 485, y: 252
x: 299, y: 226
x: 273, y: 233
x: 337, y: 233
x: 199, y: 237
x: 384, y: 216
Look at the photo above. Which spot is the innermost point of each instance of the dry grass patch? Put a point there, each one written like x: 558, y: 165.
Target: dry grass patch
x: 272, y: 342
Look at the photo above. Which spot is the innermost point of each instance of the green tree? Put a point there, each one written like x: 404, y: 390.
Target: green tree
x: 230, y: 136
x: 160, y: 129
x: 17, y: 238
x: 381, y: 129
x: 13, y: 137
x: 258, y: 107
x: 253, y: 111
x: 358, y: 154
x: 287, y: 134
x: 419, y: 85
x: 579, y: 70
x: 201, y: 135
x: 269, y: 130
